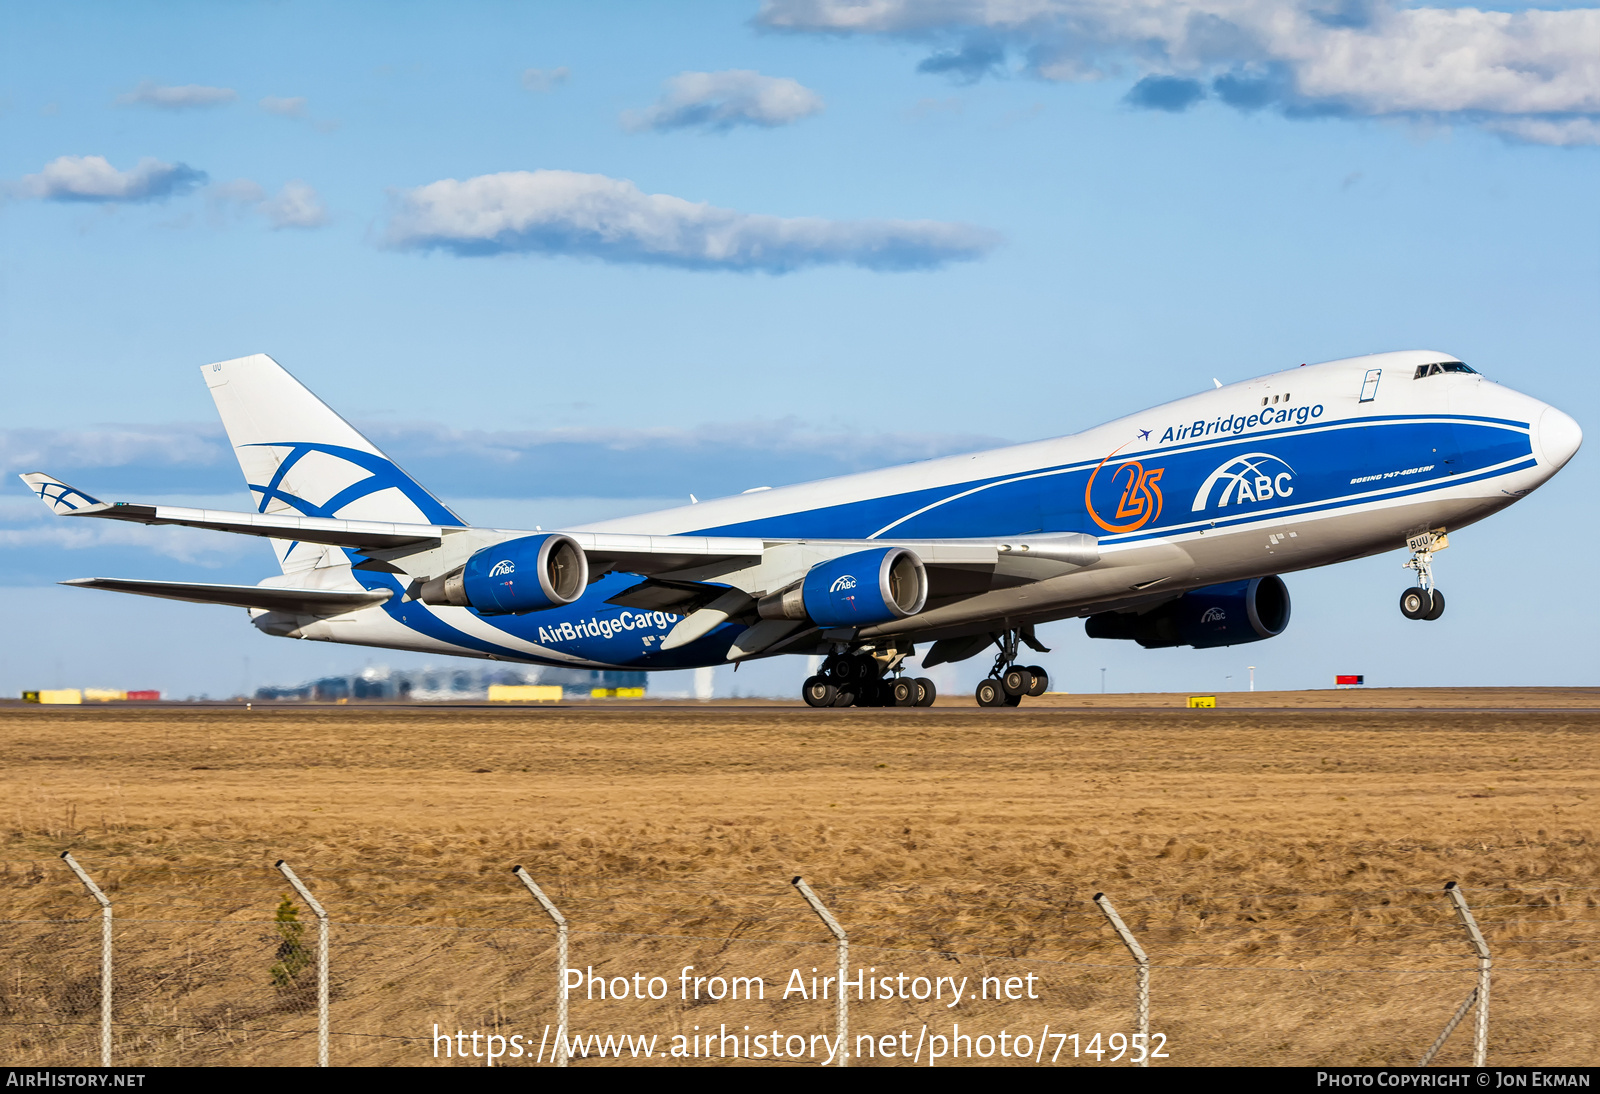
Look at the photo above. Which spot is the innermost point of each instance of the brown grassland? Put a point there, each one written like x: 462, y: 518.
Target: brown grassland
x: 1281, y: 858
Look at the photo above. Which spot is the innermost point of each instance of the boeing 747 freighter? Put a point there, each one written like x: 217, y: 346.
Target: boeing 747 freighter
x: 1167, y: 528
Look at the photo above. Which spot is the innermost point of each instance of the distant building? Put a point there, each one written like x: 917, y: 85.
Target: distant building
x: 443, y: 684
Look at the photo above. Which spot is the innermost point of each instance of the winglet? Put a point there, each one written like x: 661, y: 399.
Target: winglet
x: 61, y: 498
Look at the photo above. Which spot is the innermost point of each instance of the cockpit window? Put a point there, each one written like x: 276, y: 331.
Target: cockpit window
x: 1442, y: 366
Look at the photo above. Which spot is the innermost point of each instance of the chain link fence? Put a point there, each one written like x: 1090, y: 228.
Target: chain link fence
x: 433, y: 967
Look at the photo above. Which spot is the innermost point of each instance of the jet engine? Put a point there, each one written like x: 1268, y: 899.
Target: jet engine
x: 521, y: 575
x: 855, y: 590
x: 1217, y: 615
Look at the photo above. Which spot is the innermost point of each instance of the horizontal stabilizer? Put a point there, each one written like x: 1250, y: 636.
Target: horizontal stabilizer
x: 296, y: 601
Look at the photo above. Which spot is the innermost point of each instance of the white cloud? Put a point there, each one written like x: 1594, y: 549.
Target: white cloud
x: 182, y: 544
x: 239, y: 191
x: 563, y: 212
x: 284, y: 108
x: 295, y: 206
x: 722, y: 100
x: 545, y: 79
x: 1532, y: 74
x: 92, y: 178
x: 1557, y: 131
x: 186, y: 97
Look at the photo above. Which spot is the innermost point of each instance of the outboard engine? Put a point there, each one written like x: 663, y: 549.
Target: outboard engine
x: 1217, y: 615
x: 855, y: 590
x: 521, y: 575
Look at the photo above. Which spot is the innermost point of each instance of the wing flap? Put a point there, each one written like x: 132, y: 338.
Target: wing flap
x: 642, y: 554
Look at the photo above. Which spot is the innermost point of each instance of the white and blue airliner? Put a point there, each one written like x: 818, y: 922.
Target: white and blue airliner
x: 1168, y: 527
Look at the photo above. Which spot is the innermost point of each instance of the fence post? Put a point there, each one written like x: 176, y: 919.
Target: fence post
x: 322, y: 960
x: 843, y: 1028
x: 1143, y: 970
x: 1478, y: 995
x: 1480, y: 1047
x: 105, y: 955
x: 561, y: 962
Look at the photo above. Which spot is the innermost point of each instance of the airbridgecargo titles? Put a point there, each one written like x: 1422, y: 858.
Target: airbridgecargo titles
x: 1179, y: 541
x: 594, y: 627
x: 1240, y: 423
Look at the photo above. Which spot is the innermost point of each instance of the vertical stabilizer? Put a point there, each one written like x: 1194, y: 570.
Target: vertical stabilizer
x: 298, y: 456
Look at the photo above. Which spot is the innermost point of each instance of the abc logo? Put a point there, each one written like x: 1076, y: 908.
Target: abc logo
x: 504, y: 566
x: 843, y: 583
x: 1254, y: 476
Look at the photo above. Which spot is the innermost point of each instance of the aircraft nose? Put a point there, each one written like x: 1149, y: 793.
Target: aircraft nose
x: 1559, y: 437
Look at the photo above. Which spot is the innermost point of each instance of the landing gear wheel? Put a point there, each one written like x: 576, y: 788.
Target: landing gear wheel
x: 1438, y: 606
x: 991, y: 694
x: 1013, y: 700
x: 818, y: 692
x: 847, y: 670
x: 1041, y: 681
x: 1016, y: 681
x: 1415, y: 603
x: 926, y: 692
x: 844, y: 697
x: 904, y: 692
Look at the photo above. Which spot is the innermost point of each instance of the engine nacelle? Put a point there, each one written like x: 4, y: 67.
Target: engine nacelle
x: 521, y: 575
x: 857, y: 590
x: 1217, y: 615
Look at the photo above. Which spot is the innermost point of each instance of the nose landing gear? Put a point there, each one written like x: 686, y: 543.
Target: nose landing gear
x: 1423, y: 601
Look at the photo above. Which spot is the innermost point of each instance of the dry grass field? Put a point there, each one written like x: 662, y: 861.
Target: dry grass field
x: 1281, y: 859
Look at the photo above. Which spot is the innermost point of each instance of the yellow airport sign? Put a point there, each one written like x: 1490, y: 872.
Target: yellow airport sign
x: 524, y: 693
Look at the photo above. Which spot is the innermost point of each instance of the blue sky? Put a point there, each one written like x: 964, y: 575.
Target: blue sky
x: 566, y: 263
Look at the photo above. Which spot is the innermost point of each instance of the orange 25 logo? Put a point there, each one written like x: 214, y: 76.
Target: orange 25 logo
x: 1140, y: 501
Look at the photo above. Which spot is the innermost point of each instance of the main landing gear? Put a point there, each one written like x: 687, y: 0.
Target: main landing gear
x: 867, y: 679
x: 1009, y: 682
x: 1423, y: 601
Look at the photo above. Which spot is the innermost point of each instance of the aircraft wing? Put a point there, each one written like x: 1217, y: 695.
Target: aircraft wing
x: 68, y: 501
x: 956, y: 562
x: 299, y: 601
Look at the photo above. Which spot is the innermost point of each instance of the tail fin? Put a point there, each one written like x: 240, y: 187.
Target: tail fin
x: 298, y: 456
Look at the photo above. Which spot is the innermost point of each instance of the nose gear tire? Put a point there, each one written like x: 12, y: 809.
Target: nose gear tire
x: 1415, y: 603
x: 1438, y: 606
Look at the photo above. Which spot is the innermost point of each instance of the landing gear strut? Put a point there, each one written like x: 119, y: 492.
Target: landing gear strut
x: 1423, y: 601
x: 867, y: 679
x: 1009, y: 682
